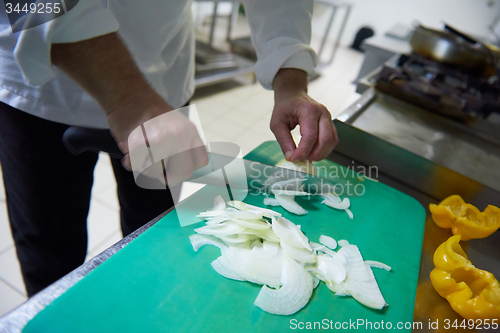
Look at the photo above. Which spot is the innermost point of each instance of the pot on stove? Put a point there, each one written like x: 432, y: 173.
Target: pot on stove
x: 455, y: 49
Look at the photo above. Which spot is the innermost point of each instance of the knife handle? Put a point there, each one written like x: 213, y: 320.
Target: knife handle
x: 81, y: 139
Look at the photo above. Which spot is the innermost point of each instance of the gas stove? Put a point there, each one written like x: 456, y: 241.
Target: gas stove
x: 447, y: 90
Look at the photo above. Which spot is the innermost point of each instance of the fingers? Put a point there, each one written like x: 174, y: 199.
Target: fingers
x: 309, y: 130
x: 327, y: 139
x: 281, y: 129
x: 319, y: 135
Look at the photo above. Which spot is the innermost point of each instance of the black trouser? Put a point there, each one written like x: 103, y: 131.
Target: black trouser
x: 48, y: 194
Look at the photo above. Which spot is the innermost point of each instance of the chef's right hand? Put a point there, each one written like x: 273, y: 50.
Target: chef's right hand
x: 166, y: 135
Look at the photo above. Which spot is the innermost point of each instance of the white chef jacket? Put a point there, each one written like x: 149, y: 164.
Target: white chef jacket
x: 159, y: 35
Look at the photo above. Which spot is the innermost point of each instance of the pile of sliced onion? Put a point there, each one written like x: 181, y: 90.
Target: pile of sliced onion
x: 285, y: 191
x: 260, y: 246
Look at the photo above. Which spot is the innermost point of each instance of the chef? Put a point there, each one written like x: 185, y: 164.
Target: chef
x: 117, y: 64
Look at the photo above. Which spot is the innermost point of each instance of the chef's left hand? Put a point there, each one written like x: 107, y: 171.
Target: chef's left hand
x: 294, y: 107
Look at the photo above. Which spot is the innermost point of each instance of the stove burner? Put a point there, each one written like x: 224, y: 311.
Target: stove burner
x: 444, y: 89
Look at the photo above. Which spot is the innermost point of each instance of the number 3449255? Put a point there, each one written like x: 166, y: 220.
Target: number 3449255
x: 471, y: 323
x: 40, y: 8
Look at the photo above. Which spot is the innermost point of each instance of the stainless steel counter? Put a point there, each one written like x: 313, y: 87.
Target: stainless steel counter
x: 428, y: 157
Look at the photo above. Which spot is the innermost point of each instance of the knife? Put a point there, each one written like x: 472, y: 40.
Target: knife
x: 236, y: 172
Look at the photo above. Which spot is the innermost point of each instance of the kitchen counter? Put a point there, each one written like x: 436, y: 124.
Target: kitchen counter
x: 409, y: 170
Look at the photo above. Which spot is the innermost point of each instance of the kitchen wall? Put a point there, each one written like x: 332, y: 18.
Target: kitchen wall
x: 472, y: 16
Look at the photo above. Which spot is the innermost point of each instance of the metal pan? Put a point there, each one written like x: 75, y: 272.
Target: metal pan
x: 451, y: 49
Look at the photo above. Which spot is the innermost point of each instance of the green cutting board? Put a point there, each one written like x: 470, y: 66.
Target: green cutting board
x: 158, y: 283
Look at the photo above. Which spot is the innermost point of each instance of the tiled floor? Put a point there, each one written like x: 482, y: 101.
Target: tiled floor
x: 240, y: 115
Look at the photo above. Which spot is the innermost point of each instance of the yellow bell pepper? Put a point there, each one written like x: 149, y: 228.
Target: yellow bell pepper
x: 471, y: 292
x: 465, y: 219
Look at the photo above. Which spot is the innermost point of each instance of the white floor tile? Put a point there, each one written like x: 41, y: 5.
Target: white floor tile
x: 103, y: 174
x: 6, y: 240
x: 212, y: 135
x: 10, y: 272
x: 108, y: 197
x: 102, y: 222
x: 10, y: 299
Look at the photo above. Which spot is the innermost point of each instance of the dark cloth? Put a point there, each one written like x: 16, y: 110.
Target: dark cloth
x: 48, y: 194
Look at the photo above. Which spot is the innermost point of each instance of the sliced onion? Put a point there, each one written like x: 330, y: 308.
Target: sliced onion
x: 289, y: 232
x: 378, y: 264
x: 333, y: 197
x: 288, y: 203
x: 360, y: 279
x: 253, y: 209
x: 280, y: 256
x: 253, y: 224
x: 237, y: 214
x: 210, y: 214
x: 217, y: 219
x: 339, y: 289
x: 332, y: 269
x: 351, y: 215
x: 318, y: 273
x: 343, y: 242
x: 198, y: 241
x: 237, y: 238
x: 328, y: 241
x: 267, y: 235
x: 295, y: 292
x: 337, y: 256
x: 271, y: 202
x: 301, y: 166
x: 290, y: 192
x: 299, y: 254
x: 316, y: 246
x: 219, y: 204
x: 222, y: 229
x: 315, y: 281
x: 344, y: 204
x: 225, y: 272
x: 256, y: 264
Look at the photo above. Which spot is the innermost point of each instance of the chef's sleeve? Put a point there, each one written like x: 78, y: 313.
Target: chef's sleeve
x: 88, y: 19
x: 281, y: 33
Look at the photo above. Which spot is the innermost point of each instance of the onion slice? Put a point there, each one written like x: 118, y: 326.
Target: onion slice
x: 253, y: 209
x: 198, y: 241
x: 290, y: 192
x: 378, y: 264
x: 225, y: 271
x: 289, y: 232
x: 219, y: 204
x: 360, y: 279
x: 328, y: 242
x: 295, y: 292
x: 271, y: 202
x: 299, y: 254
x: 332, y: 269
x: 344, y: 204
x: 288, y: 202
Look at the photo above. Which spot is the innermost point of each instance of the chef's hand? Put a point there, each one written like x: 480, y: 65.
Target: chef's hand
x: 292, y: 107
x: 105, y: 69
x: 173, y: 141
